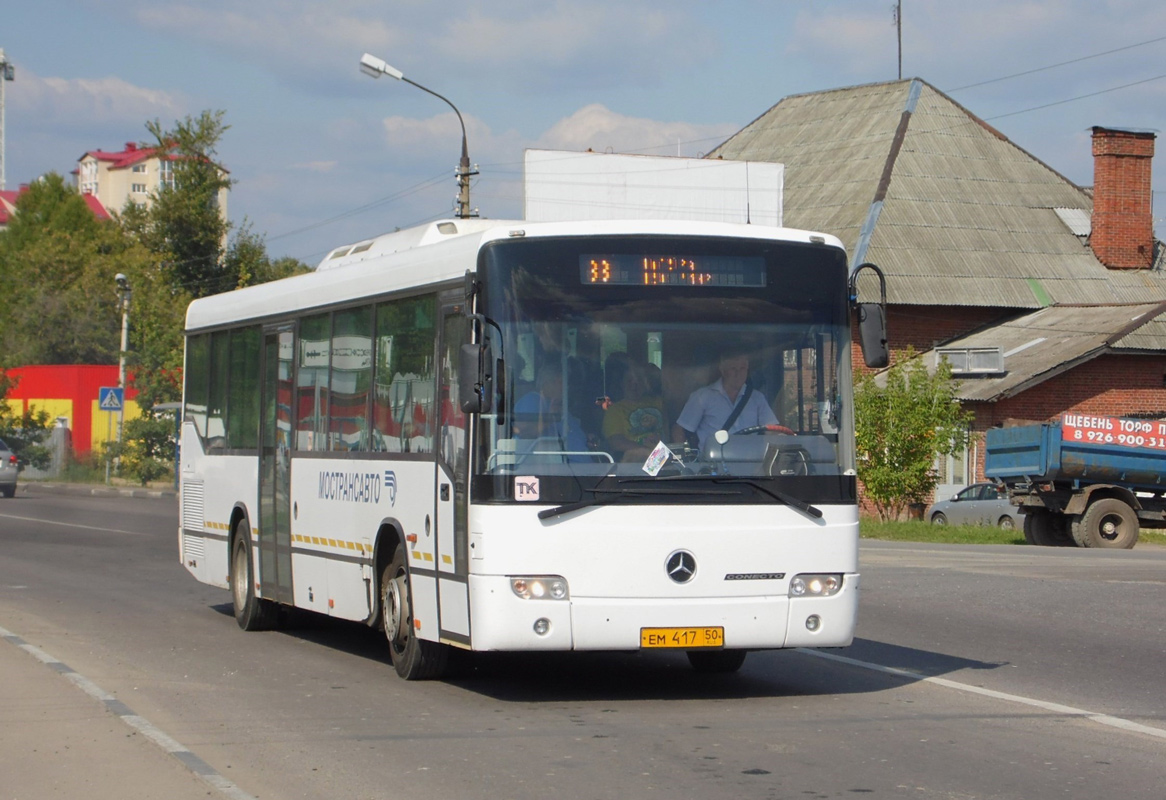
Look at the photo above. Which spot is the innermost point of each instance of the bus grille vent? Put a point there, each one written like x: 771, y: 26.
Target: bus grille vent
x: 193, y: 547
x: 193, y: 510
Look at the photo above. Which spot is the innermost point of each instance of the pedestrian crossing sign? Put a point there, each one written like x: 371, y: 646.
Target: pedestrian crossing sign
x: 109, y: 398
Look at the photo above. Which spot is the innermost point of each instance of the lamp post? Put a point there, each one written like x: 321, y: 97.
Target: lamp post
x: 123, y: 303
x: 375, y: 67
x: 7, y: 73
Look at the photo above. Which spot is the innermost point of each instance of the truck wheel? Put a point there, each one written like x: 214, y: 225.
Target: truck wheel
x: 1108, y: 522
x: 413, y: 658
x: 1046, y: 529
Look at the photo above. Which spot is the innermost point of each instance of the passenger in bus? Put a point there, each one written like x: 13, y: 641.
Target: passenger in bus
x: 539, y: 414
x: 634, y: 425
x: 728, y: 403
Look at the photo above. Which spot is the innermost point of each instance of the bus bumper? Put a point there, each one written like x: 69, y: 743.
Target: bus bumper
x: 502, y: 621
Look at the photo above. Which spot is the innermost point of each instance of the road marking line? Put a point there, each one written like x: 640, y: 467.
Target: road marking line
x: 71, y: 525
x: 1092, y: 716
x: 170, y: 746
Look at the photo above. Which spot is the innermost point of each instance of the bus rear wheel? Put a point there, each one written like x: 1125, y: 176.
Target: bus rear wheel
x: 251, y: 612
x: 413, y: 658
x: 711, y: 662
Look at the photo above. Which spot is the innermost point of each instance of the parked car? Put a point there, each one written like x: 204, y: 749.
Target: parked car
x: 8, y: 470
x: 979, y: 504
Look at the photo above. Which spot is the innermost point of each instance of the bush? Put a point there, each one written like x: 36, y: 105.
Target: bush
x: 146, y: 452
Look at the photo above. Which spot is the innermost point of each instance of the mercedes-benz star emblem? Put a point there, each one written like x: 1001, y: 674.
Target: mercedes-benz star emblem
x: 681, y: 566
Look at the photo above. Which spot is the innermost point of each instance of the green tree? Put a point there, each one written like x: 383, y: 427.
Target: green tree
x: 57, y: 263
x: 185, y: 224
x: 25, y: 431
x: 901, y: 427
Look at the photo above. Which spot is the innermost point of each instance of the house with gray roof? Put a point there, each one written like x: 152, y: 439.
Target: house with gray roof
x: 1048, y: 296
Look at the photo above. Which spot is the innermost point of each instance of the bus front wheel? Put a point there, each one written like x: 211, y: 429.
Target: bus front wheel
x: 716, y: 661
x: 251, y: 612
x: 413, y: 658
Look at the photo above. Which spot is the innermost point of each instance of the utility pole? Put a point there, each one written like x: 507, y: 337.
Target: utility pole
x: 7, y: 73
x: 123, y: 301
x: 899, y: 31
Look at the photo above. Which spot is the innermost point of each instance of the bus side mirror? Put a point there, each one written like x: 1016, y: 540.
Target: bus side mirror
x: 872, y: 334
x: 475, y: 372
x: 872, y: 319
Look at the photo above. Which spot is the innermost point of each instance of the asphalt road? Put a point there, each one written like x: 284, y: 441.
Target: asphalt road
x: 979, y: 672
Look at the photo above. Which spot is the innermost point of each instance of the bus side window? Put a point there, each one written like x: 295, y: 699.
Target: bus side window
x: 220, y: 365
x: 311, y: 411
x: 404, y: 380
x: 198, y: 355
x: 350, y: 377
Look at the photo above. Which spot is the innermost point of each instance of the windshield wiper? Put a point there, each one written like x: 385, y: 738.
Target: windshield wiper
x: 566, y: 508
x: 776, y: 494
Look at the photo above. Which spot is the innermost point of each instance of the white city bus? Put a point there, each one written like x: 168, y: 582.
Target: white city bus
x: 418, y: 435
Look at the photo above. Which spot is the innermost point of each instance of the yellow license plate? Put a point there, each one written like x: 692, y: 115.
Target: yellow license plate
x: 686, y: 638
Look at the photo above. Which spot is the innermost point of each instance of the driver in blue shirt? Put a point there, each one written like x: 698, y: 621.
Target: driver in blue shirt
x: 710, y: 407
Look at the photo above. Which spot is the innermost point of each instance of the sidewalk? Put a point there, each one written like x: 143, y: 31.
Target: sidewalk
x: 94, y: 489
x: 58, y: 742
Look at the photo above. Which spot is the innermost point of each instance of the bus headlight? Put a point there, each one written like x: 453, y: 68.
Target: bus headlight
x: 544, y: 587
x: 815, y: 585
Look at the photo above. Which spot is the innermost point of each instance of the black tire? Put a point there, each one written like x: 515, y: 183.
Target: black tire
x: 9, y: 491
x: 1107, y: 522
x: 1045, y: 529
x: 413, y: 658
x: 1006, y: 523
x: 251, y: 612
x: 713, y: 662
x: 938, y: 518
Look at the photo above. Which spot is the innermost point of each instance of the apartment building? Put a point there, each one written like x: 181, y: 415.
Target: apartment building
x: 132, y: 175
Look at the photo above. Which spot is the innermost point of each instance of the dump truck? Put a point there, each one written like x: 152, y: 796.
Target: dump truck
x: 1090, y: 481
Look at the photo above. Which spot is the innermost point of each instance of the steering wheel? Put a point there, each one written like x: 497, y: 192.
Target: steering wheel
x: 765, y: 429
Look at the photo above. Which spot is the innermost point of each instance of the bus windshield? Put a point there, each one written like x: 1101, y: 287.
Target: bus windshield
x: 630, y: 366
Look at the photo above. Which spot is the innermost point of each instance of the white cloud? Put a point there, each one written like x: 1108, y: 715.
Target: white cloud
x: 600, y: 129
x: 528, y: 43
x: 314, y: 166
x: 91, y: 103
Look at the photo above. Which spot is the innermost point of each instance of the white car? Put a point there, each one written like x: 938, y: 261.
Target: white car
x: 9, y: 466
x: 979, y: 504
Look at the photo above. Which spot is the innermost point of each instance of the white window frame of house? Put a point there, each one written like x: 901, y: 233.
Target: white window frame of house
x: 165, y: 173
x: 138, y: 188
x: 955, y: 472
x: 139, y: 168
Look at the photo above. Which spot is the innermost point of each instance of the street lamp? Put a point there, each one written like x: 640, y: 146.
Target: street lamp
x: 123, y: 303
x: 375, y: 67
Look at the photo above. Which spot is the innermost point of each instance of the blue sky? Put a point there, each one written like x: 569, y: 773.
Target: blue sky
x: 324, y: 155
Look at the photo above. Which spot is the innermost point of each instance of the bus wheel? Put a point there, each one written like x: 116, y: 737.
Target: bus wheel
x: 251, y: 612
x: 716, y: 661
x: 413, y: 658
x: 1109, y: 522
x: 1046, y: 529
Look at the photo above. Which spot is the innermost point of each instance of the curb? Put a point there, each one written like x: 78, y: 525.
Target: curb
x: 95, y: 491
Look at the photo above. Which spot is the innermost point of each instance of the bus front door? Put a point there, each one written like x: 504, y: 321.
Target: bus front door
x: 451, y: 484
x: 275, y: 576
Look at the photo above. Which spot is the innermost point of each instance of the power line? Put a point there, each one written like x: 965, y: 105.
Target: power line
x: 1079, y: 97
x: 1054, y: 66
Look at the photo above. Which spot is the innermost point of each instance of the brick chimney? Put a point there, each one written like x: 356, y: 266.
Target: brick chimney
x: 1123, y: 219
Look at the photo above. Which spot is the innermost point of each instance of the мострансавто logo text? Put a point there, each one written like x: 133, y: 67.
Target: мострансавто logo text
x: 357, y: 487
